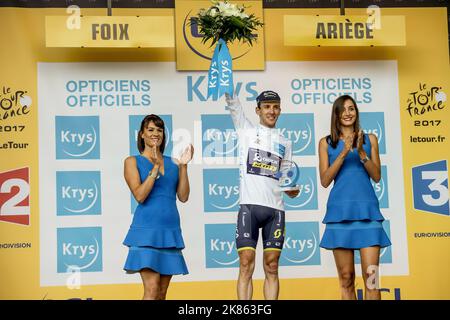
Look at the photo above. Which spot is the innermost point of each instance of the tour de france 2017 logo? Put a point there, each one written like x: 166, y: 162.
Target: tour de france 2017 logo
x: 79, y: 249
x: 301, y: 244
x: 15, y: 196
x: 426, y: 100
x: 299, y: 129
x: 220, y: 246
x: 430, y: 187
x: 13, y: 103
x: 221, y: 190
x: 77, y: 137
x: 193, y: 38
x: 78, y: 193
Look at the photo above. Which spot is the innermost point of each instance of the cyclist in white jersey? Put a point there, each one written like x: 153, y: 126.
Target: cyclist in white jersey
x: 261, y: 149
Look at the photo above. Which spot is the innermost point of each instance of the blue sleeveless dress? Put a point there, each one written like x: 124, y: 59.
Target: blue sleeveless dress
x: 353, y: 218
x: 154, y: 238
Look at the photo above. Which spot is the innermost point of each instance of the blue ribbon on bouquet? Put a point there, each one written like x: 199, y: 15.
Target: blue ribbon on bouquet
x: 220, y: 74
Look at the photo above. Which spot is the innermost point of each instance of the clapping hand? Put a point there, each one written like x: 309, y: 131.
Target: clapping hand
x: 187, y: 154
x: 359, y: 141
x: 154, y: 156
x: 348, y: 143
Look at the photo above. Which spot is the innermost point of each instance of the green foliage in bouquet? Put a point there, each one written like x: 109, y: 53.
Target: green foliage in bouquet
x: 227, y: 21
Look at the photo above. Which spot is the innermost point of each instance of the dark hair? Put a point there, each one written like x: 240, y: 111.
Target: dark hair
x: 159, y: 123
x: 338, y: 109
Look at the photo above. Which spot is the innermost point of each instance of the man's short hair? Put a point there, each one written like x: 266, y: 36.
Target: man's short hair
x: 267, y: 95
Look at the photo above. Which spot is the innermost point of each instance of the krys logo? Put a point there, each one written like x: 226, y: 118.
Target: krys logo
x: 77, y: 137
x: 220, y: 249
x: 298, y: 128
x: 221, y: 190
x: 373, y: 122
x: 15, y: 196
x: 307, y: 198
x: 13, y: 103
x: 134, y: 122
x: 79, y: 249
x: 219, y: 139
x: 197, y: 88
x: 193, y: 39
x: 301, y: 244
x: 430, y: 187
x: 425, y: 100
x: 381, y: 188
x: 78, y: 193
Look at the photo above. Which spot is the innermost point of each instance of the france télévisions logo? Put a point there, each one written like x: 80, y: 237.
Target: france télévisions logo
x: 15, y: 196
x: 78, y: 193
x: 430, y: 187
x: 79, y: 249
x: 77, y: 137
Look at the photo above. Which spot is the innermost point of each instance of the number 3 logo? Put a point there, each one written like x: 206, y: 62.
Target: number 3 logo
x: 14, y: 196
x: 430, y: 187
x: 438, y: 178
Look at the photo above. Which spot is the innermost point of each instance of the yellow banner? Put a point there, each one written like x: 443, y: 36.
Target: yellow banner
x: 192, y: 54
x: 302, y: 30
x: 105, y: 31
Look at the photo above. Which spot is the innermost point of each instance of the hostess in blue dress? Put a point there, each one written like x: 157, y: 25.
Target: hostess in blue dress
x: 154, y: 239
x: 353, y: 218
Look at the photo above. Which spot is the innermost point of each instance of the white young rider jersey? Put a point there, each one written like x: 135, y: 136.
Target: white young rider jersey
x: 261, y: 150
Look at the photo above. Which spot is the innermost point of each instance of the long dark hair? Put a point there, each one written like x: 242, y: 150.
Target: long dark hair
x: 338, y: 109
x: 159, y: 123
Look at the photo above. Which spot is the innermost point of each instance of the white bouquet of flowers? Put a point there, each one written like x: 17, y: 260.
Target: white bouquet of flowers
x: 223, y: 23
x: 227, y: 21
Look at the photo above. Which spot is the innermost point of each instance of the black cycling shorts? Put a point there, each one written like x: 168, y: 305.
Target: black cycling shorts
x: 251, y: 218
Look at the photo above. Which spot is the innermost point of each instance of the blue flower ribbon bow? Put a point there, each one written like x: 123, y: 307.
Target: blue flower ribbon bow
x: 220, y: 74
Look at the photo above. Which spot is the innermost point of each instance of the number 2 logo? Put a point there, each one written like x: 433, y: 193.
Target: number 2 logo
x: 15, y: 196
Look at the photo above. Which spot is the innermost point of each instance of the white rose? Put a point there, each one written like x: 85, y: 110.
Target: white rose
x: 243, y: 15
x: 223, y: 6
x: 213, y: 12
x: 228, y: 13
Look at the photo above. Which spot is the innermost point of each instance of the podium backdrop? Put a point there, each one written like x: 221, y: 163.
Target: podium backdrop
x: 69, y: 117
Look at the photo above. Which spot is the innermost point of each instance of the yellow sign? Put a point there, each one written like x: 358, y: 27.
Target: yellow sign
x: 105, y: 31
x: 192, y: 54
x: 300, y: 30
